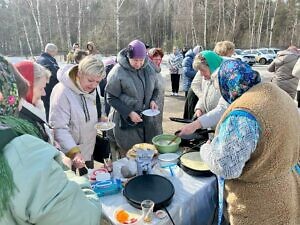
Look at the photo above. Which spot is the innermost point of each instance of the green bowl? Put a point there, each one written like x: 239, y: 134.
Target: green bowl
x: 161, y: 143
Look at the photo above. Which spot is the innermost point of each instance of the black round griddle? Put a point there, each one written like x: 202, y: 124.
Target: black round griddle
x: 153, y: 187
x: 193, y: 172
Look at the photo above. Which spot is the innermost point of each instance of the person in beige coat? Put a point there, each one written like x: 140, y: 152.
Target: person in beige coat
x: 73, y: 112
x: 255, y: 148
x: 282, y: 67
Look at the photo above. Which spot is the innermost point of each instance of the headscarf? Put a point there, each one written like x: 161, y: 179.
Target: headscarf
x: 212, y: 59
x: 235, y: 78
x: 11, y: 127
x: 26, y: 70
x: 9, y: 99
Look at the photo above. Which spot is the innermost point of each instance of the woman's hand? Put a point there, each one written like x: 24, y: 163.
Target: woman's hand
x: 136, y: 118
x: 198, y: 113
x: 103, y: 119
x: 153, y: 105
x: 189, y: 128
x: 78, y: 161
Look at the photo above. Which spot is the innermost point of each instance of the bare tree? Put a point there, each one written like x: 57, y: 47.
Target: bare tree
x: 69, y: 42
x: 272, y: 24
x: 37, y: 19
x: 253, y: 25
x: 261, y: 19
x: 268, y: 20
x: 205, y: 24
x: 119, y: 4
x: 79, y: 22
x: 25, y: 29
x: 219, y: 21
x: 224, y: 19
x: 235, y: 5
x: 59, y: 23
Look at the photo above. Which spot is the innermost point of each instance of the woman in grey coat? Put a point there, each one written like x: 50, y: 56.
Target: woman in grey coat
x: 283, y: 66
x: 131, y: 88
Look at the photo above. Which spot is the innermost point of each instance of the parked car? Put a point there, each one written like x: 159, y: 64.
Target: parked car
x: 261, y: 55
x: 247, y: 58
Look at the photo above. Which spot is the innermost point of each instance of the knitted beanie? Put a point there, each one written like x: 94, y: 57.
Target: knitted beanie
x: 137, y: 50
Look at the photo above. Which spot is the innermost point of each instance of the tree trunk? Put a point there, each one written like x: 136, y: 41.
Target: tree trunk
x: 119, y: 4
x: 268, y: 22
x: 79, y: 22
x: 219, y: 22
x: 36, y: 20
x: 235, y: 2
x: 224, y: 21
x: 69, y: 42
x: 261, y: 19
x: 253, y: 25
x: 25, y: 30
x: 205, y: 24
x: 272, y: 24
x: 59, y: 25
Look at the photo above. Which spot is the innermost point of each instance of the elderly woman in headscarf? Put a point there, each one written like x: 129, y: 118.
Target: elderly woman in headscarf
x: 32, y: 107
x: 34, y: 188
x: 255, y: 148
x: 131, y: 88
x: 209, y: 107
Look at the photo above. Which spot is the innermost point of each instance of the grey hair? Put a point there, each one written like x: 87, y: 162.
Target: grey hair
x: 40, y: 71
x: 91, y: 65
x: 50, y: 47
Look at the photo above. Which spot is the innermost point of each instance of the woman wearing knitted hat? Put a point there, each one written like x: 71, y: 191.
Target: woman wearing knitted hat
x: 131, y: 88
x: 32, y: 107
x: 255, y: 148
x: 36, y: 188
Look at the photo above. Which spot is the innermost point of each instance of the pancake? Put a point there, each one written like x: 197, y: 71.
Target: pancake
x: 193, y: 161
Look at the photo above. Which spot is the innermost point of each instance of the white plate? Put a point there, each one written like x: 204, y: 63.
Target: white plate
x: 104, y: 126
x: 151, y: 112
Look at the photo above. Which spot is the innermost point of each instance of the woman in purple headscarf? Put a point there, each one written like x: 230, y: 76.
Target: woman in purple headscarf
x: 255, y: 148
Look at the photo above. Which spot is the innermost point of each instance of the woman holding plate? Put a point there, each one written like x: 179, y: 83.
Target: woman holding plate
x: 131, y: 89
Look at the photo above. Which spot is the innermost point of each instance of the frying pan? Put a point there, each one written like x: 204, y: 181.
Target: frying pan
x: 151, y: 186
x: 189, y: 169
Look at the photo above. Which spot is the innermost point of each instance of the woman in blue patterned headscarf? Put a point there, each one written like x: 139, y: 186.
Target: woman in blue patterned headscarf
x: 255, y: 147
x: 235, y: 79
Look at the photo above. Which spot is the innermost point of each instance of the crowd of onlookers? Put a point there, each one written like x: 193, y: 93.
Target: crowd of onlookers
x: 48, y: 116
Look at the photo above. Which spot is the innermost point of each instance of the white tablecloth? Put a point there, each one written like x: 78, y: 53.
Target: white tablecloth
x: 194, y: 202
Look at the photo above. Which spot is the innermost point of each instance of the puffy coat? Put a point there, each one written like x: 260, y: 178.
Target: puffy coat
x: 50, y: 63
x: 73, y: 123
x: 283, y: 66
x: 130, y: 90
x: 188, y: 73
x: 46, y: 194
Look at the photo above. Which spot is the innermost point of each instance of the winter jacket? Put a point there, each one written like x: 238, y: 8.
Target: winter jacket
x: 46, y: 194
x: 37, y: 116
x: 188, y: 71
x: 50, y: 63
x: 283, y: 66
x: 267, y: 191
x: 157, y: 120
x: 73, y: 115
x: 175, y: 63
x: 296, y: 69
x: 130, y: 90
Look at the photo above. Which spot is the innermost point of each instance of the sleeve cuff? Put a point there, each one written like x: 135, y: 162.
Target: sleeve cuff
x: 72, y: 152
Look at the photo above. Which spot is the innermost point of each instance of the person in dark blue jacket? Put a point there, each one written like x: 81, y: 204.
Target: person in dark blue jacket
x: 188, y: 76
x: 47, y: 60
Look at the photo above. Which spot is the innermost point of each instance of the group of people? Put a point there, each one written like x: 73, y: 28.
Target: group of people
x: 48, y: 116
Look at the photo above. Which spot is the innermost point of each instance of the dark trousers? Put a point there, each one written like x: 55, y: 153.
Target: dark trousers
x: 83, y: 171
x: 175, y: 78
x: 190, y: 104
